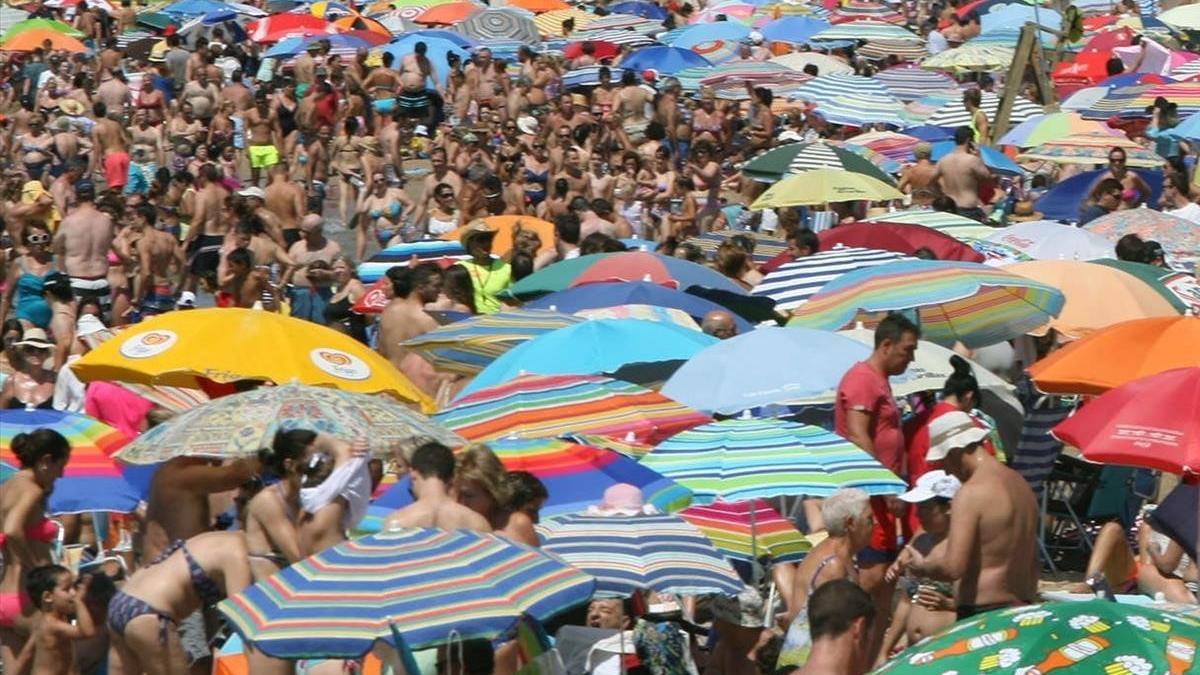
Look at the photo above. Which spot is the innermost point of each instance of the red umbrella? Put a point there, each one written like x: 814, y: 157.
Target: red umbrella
x: 1109, y: 40
x: 1143, y: 423
x: 278, y: 26
x: 375, y: 299
x: 903, y: 238
x: 604, y: 49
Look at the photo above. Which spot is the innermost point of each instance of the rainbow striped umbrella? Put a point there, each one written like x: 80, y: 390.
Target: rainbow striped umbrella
x: 1091, y: 149
x: 471, y: 345
x: 538, y: 406
x: 625, y: 445
x: 748, y: 530
x: 894, y: 146
x: 92, y: 481
x: 966, y: 302
x: 423, y: 583
x: 1179, y: 237
x: 909, y: 83
x: 628, y: 554
x: 741, y: 459
x: 856, y: 10
x: 959, y: 227
x: 576, y: 476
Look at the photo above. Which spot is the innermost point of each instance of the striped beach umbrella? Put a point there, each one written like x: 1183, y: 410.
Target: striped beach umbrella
x: 741, y: 12
x: 715, y: 51
x: 629, y: 554
x: 866, y: 30
x: 793, y: 158
x: 765, y: 246
x: 619, y: 37
x: 904, y: 50
x: 959, y: 227
x: 971, y: 57
x: 502, y: 23
x: 589, y: 76
x: 742, y: 459
x: 953, y: 113
x: 894, y: 146
x: 858, y: 10
x: 428, y: 585
x: 1180, y: 237
x: 1053, y: 126
x: 91, y: 481
x: 748, y: 531
x: 469, y: 346
x: 624, y: 445
x: 625, y: 22
x: 971, y: 303
x: 793, y: 283
x: 826, y: 64
x: 858, y: 110
x: 1091, y: 149
x: 400, y: 255
x: 624, y: 266
x: 909, y: 83
x: 827, y: 87
x: 550, y: 23
x: 534, y: 406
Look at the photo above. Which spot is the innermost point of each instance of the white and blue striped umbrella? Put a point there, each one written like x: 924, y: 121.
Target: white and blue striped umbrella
x: 401, y: 254
x: 615, y: 36
x: 629, y: 22
x: 909, y: 83
x: 954, y: 112
x: 740, y: 459
x: 792, y: 283
x: 857, y: 109
x: 628, y: 554
x: 589, y: 76
x: 866, y: 30
x: 826, y: 88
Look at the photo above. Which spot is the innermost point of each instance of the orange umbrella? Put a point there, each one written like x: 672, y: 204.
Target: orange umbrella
x: 27, y: 41
x: 1119, y: 354
x: 506, y: 226
x: 539, y: 6
x: 359, y: 22
x: 448, y: 14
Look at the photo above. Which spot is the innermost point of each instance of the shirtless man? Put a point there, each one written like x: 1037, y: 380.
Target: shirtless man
x: 285, y: 201
x: 991, y: 551
x: 313, y: 280
x: 63, y: 187
x: 109, y: 149
x: 481, y: 78
x: 202, y: 95
x: 157, y: 253
x: 630, y: 107
x: 113, y: 91
x: 572, y: 170
x: 918, y: 179
x: 237, y: 93
x: 960, y: 173
x: 431, y: 471
x: 82, y: 242
x: 263, y: 136
x: 439, y: 174
x: 404, y: 318
x: 305, y: 67
x: 207, y: 232
x: 317, y: 169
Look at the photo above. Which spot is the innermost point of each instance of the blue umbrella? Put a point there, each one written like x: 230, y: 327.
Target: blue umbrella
x: 930, y: 134
x: 401, y: 254
x: 1178, y: 517
x: 1189, y: 128
x: 992, y: 158
x: 747, y: 372
x: 194, y: 7
x: 793, y: 28
x: 455, y: 37
x: 437, y: 49
x: 663, y: 60
x: 646, y: 10
x: 297, y: 44
x: 592, y: 348
x: 690, y: 36
x: 592, y: 296
x: 1062, y: 202
x: 589, y: 77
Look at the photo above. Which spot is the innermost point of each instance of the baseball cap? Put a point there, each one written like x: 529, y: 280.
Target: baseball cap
x: 951, y: 431
x: 930, y: 485
x: 186, y: 299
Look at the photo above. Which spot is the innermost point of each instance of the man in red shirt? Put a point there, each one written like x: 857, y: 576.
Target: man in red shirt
x: 866, y: 414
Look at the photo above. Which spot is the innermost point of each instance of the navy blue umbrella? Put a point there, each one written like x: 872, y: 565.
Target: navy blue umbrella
x: 1065, y: 200
x: 594, y: 296
x: 1178, y: 517
x: 646, y: 10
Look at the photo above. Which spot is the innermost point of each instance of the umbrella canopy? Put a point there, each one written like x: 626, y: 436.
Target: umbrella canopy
x: 448, y: 14
x: 816, y: 362
x: 1096, y: 296
x: 791, y: 158
x: 894, y: 146
x: 741, y: 459
x: 400, y: 255
x: 228, y: 345
x: 858, y: 10
x: 1062, y: 201
x: 342, y: 43
x: 1178, y: 288
x: 765, y: 246
x: 1180, y: 238
x: 1178, y: 517
x: 965, y: 302
x: 906, y: 238
x: 663, y: 60
x: 241, y: 424
x: 1182, y: 17
x: 960, y: 227
x: 794, y: 29
x: 575, y: 476
x: 594, y: 296
x: 992, y: 158
x: 470, y: 346
x: 646, y: 10
x: 1050, y: 240
x: 550, y: 23
x: 539, y: 6
x: 909, y: 83
x: 644, y: 312
x: 1051, y: 127
x: 1137, y: 424
x: 33, y: 38
x: 500, y: 24
x: 971, y: 57
x: 821, y: 186
x: 825, y: 63
x: 950, y: 111
x: 865, y: 30
x: 715, y: 51
x: 91, y: 480
x: 748, y: 531
x: 279, y: 26
x: 626, y: 266
x: 593, y: 347
x: 47, y: 24
x: 862, y: 109
x: 825, y: 88
x: 791, y: 284
x: 705, y: 32
x: 628, y: 554
x: 533, y: 406
x: 1091, y: 149
x: 424, y: 584
x: 1093, y: 636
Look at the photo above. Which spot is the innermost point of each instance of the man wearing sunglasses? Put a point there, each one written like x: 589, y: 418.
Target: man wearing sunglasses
x: 1135, y: 189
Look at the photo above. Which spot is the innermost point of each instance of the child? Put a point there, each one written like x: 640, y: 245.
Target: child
x: 51, y: 647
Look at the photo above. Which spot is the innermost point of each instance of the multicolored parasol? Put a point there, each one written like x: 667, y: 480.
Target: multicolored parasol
x: 1180, y: 238
x: 500, y: 23
x: 866, y: 30
x: 1090, y: 149
x: 792, y: 158
x: 821, y: 186
x: 1051, y: 127
x: 40, y: 24
x: 909, y: 83
x: 894, y: 146
x: 862, y: 10
x: 590, y: 297
x: 765, y: 246
x: 825, y: 63
x: 470, y: 346
x: 742, y: 535
x: 627, y: 266
x: 428, y: 585
x: 91, y: 481
x: 1178, y: 288
x: 791, y: 284
x: 550, y: 23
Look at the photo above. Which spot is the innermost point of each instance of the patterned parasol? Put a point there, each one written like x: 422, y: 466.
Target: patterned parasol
x: 909, y: 83
x: 469, y: 346
x: 742, y: 535
x: 791, y: 284
x: 506, y: 23
x: 1180, y: 238
x: 867, y: 30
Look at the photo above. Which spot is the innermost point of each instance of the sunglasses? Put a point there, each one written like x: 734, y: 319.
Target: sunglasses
x: 539, y: 147
x: 39, y: 238
x: 1116, y: 160
x: 445, y: 195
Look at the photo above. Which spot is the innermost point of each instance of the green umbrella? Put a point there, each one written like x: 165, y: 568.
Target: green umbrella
x: 776, y: 163
x: 48, y: 24
x: 156, y: 20
x: 1064, y: 638
x: 1178, y: 288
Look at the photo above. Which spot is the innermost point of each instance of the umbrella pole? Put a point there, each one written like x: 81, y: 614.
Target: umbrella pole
x: 756, y: 577
x: 767, y: 622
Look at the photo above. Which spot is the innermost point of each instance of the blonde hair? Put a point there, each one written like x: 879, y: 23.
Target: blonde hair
x: 478, y: 463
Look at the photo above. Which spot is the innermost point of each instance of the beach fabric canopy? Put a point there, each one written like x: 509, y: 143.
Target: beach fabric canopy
x: 1178, y: 517
x: 904, y: 238
x: 471, y: 345
x: 624, y: 266
x: 1180, y: 237
x: 1178, y: 288
x: 1050, y: 240
x: 821, y: 186
x: 791, y: 284
x: 793, y: 158
x: 581, y: 299
x: 500, y: 23
x: 749, y: 531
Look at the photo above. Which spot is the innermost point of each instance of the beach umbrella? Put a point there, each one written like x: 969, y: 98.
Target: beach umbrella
x: 1096, y: 296
x: 862, y: 109
x: 400, y: 255
x: 227, y: 345
x: 646, y: 10
x: 575, y: 476
x: 1050, y: 240
x: 903, y: 51
x: 438, y: 47
x: 826, y: 87
x: 792, y: 283
x: 627, y: 23
x: 469, y: 346
x: 742, y: 12
x: 741, y: 459
x: 550, y: 23
x: 970, y: 303
x: 1133, y: 101
x: 696, y: 33
x: 500, y: 24
x: 1178, y: 517
x: 630, y: 448
x: 10, y: 16
x: 600, y: 50
x: 953, y: 113
x: 622, y: 37
x: 33, y: 38
x: 909, y: 83
x: 825, y: 63
x: 715, y: 51
x: 816, y: 362
x: 1182, y: 17
x: 765, y: 245
x: 959, y: 227
x: 632, y: 553
x: 624, y: 266
x: 749, y: 530
x: 340, y: 43
x: 992, y: 158
x: 906, y: 238
x: 663, y: 60
x: 865, y: 30
x: 794, y: 29
x: 1121, y: 353
x: 596, y: 296
x: 1137, y: 424
x: 592, y: 348
x: 1062, y: 201
x: 535, y: 406
x: 279, y: 26
x: 821, y: 186
x: 727, y: 77
x: 1051, y: 127
x: 859, y: 10
x: 40, y: 24
x: 539, y: 6
x: 792, y: 158
x: 589, y: 76
x: 1091, y: 149
x: 1180, y: 237
x: 894, y: 146
x: 970, y: 57
x: 91, y: 480
x: 427, y: 585
x: 507, y: 227
x: 1178, y: 288
x: 239, y: 425
x: 644, y: 312
x: 448, y: 14
x: 1092, y: 636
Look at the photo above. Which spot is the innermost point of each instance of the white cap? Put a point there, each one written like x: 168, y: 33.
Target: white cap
x: 421, y: 130
x: 951, y: 431
x: 186, y: 299
x: 527, y: 125
x: 755, y: 37
x: 933, y: 484
x: 253, y: 191
x: 88, y: 325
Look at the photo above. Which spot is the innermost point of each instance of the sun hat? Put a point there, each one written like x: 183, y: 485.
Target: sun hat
x: 35, y: 337
x: 952, y: 431
x: 936, y: 483
x: 71, y: 107
x: 474, y: 231
x: 1023, y: 212
x: 527, y: 125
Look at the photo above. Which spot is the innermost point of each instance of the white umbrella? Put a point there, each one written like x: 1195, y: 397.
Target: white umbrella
x: 1048, y: 240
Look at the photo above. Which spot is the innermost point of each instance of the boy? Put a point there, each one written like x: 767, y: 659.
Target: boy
x: 51, y: 647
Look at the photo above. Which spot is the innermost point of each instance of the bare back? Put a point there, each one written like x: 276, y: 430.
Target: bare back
x: 960, y: 174
x: 1005, y: 567
x: 86, y: 237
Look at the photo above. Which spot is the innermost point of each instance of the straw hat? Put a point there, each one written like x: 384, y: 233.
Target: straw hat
x: 474, y: 231
x: 35, y: 337
x: 71, y: 107
x: 1023, y: 212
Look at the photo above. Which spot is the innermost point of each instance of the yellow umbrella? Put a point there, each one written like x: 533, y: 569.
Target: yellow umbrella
x: 227, y: 345
x: 1096, y: 296
x: 550, y: 23
x: 970, y: 57
x: 824, y: 185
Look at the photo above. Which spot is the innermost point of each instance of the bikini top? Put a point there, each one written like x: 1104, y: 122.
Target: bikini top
x: 45, y: 531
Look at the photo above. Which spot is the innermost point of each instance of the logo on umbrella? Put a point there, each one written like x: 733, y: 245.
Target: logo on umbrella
x: 150, y: 343
x: 340, y: 364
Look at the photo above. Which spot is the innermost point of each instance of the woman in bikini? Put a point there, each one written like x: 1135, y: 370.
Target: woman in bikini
x: 36, y: 147
x: 536, y: 167
x: 273, y: 514
x: 383, y: 212
x: 347, y: 162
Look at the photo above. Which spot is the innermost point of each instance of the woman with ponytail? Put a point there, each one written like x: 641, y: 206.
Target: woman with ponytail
x: 959, y: 393
x: 273, y: 514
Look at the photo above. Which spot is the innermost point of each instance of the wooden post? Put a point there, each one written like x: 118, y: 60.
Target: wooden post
x: 1028, y: 53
